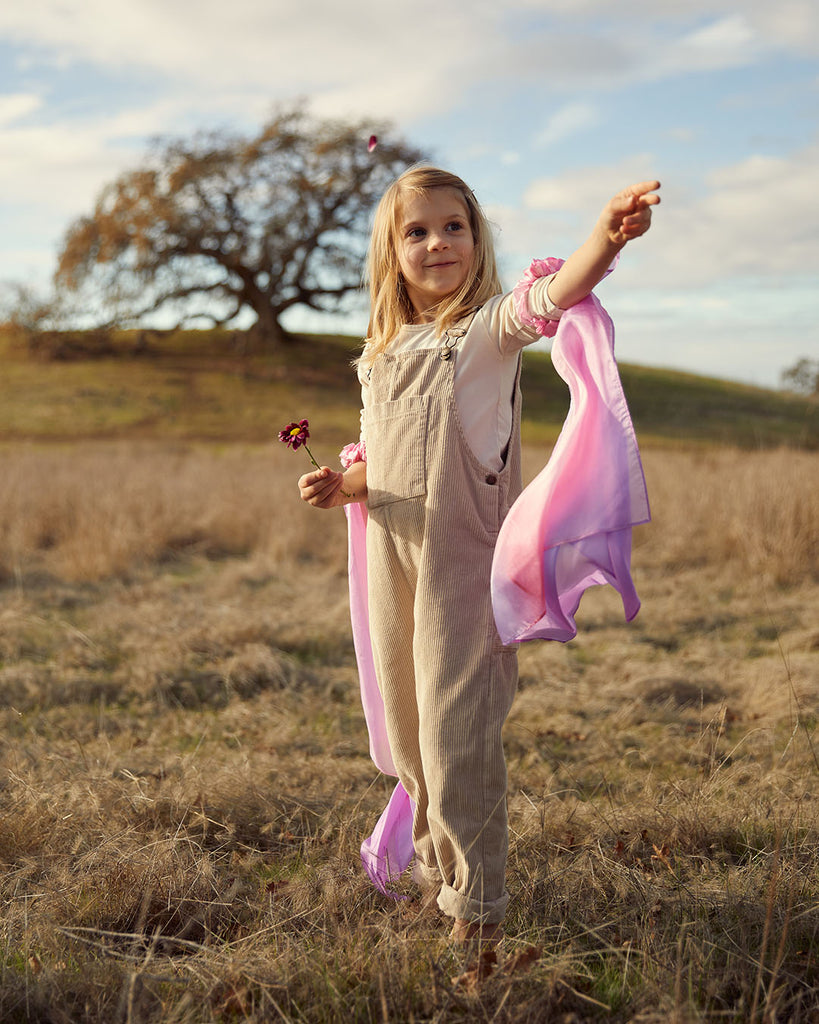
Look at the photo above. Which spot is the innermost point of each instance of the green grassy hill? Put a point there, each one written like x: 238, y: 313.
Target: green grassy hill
x: 207, y: 385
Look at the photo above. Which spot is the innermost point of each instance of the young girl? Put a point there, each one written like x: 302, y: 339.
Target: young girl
x: 441, y: 432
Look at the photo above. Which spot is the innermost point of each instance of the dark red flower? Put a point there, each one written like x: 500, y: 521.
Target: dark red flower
x: 295, y: 435
x: 372, y: 143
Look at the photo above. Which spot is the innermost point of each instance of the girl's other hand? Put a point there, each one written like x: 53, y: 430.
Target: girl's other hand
x: 322, y: 488
x: 628, y: 214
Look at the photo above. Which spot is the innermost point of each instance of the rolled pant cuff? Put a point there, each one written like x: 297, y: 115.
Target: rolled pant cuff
x: 455, y: 904
x: 425, y: 877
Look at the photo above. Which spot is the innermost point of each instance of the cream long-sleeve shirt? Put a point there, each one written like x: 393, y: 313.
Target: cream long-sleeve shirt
x: 485, y: 367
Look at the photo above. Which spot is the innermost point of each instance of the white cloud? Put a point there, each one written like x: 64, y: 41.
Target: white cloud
x: 365, y: 55
x: 723, y: 43
x: 725, y: 281
x: 585, y: 190
x: 14, y: 106
x: 744, y: 338
x: 754, y: 218
x: 406, y: 59
x: 791, y: 25
x: 61, y: 165
x: 568, y: 120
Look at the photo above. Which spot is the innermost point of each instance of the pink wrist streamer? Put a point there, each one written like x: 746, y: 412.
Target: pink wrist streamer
x: 350, y: 453
x: 537, y: 268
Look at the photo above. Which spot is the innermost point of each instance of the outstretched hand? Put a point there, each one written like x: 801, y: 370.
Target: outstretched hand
x: 628, y: 214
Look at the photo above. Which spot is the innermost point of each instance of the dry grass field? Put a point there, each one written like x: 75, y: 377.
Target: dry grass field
x: 185, y: 776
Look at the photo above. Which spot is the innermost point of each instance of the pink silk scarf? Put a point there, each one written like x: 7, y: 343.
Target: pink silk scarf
x: 570, y: 529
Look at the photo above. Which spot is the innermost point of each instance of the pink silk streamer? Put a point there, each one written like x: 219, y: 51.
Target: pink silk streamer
x: 388, y: 851
x: 360, y: 618
x: 570, y: 529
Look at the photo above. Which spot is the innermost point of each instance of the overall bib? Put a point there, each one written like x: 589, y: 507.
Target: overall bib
x: 446, y: 679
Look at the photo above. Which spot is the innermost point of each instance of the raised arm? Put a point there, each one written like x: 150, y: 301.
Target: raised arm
x: 626, y: 216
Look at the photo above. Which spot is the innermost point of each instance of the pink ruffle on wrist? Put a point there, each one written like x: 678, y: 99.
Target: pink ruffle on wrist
x: 537, y: 268
x: 350, y: 453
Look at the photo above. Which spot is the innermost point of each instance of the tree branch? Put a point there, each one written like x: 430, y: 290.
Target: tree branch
x: 282, y: 214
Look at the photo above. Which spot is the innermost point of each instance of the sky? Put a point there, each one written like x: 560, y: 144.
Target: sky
x: 545, y: 107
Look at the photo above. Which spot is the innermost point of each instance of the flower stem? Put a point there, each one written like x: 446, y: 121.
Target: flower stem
x: 311, y: 457
x: 346, y: 495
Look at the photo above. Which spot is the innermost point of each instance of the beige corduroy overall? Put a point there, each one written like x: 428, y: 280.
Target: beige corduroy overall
x: 446, y: 679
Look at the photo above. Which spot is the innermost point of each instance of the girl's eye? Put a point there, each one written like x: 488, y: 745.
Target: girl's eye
x: 416, y: 233
x: 455, y: 225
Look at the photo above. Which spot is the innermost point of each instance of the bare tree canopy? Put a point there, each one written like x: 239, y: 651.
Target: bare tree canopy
x: 221, y: 223
x: 802, y: 377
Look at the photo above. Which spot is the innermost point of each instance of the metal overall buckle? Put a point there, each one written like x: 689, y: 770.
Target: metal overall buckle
x: 452, y: 336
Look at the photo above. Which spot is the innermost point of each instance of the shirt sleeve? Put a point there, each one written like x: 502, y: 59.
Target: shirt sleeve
x: 539, y: 300
x: 504, y: 320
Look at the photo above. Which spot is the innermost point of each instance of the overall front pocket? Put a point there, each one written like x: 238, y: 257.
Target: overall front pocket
x: 396, y: 436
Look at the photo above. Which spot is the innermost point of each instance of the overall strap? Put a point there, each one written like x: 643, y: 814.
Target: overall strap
x: 452, y: 335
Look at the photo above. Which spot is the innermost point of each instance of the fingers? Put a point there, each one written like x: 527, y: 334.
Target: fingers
x: 319, y: 488
x: 314, y: 476
x: 637, y: 197
x: 630, y: 211
x: 643, y: 193
x: 636, y: 224
x: 643, y: 188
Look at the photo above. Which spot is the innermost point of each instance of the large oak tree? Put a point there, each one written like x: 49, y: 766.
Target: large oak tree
x: 222, y: 223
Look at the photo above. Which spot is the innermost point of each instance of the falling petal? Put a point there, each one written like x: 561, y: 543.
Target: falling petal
x: 372, y: 143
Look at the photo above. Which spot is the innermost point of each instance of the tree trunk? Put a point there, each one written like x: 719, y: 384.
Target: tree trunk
x: 268, y: 329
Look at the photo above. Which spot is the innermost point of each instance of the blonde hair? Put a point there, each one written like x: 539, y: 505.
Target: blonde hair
x: 390, y: 306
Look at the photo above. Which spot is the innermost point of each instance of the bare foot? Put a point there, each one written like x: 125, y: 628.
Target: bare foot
x: 465, y: 933
x: 483, y: 963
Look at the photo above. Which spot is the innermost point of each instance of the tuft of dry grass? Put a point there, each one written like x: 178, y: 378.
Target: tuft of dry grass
x: 101, y: 510
x: 757, y: 510
x: 186, y: 781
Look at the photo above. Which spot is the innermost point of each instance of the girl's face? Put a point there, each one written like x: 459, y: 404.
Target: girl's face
x: 435, y: 247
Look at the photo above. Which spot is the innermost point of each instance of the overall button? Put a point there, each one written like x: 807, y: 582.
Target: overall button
x: 491, y: 478
x: 446, y: 353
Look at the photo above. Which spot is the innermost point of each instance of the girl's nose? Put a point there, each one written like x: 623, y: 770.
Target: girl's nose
x: 437, y: 241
